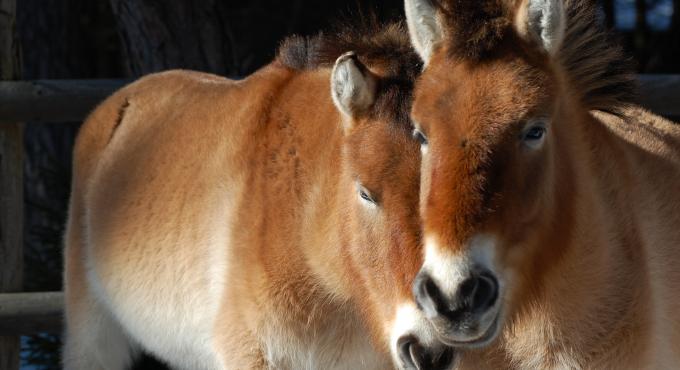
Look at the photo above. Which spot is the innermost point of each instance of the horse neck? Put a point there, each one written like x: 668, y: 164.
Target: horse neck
x: 323, y: 213
x: 300, y: 141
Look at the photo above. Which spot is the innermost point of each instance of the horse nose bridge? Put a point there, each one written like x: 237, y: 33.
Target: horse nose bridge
x: 457, y: 196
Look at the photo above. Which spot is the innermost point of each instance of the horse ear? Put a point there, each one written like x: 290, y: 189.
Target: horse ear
x: 423, y: 26
x: 542, y: 22
x: 353, y: 86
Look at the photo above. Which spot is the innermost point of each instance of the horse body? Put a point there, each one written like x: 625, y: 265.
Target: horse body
x: 549, y: 201
x: 137, y: 237
x: 218, y: 224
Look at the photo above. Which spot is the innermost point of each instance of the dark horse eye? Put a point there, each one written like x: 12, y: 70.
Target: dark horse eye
x: 534, y: 133
x: 365, y: 195
x: 418, y: 135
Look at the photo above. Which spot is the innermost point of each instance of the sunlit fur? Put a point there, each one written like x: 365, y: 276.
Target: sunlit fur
x: 586, y: 226
x: 216, y: 224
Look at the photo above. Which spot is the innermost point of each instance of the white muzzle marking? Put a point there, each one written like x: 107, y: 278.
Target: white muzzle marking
x: 449, y: 270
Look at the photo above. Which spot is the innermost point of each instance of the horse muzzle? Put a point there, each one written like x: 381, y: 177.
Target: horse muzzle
x: 467, y: 317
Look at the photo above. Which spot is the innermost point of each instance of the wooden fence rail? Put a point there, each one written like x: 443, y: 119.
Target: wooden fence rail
x: 52, y: 100
x: 71, y: 100
x: 31, y: 313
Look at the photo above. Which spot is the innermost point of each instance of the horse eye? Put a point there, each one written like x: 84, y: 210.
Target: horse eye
x: 365, y: 194
x: 418, y: 135
x: 535, y: 133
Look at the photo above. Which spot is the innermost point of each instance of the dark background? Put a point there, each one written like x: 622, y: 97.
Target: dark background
x: 128, y: 38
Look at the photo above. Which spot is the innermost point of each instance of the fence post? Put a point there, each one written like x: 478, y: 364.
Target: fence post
x: 11, y: 184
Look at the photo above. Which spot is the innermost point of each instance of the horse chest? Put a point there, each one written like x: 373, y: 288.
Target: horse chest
x: 340, y: 345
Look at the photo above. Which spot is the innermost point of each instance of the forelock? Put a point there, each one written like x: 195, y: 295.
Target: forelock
x: 473, y: 29
x: 384, y: 48
x: 590, y: 56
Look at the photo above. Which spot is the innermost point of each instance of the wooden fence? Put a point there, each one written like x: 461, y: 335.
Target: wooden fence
x: 53, y: 101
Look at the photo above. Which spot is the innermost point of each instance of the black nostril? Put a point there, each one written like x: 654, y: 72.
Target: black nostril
x: 478, y: 293
x: 417, y: 357
x: 443, y: 359
x: 427, y: 294
x: 404, y: 346
x: 486, y: 292
x: 467, y: 291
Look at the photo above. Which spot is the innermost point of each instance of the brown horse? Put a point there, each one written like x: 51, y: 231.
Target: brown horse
x: 550, y: 203
x: 265, y: 223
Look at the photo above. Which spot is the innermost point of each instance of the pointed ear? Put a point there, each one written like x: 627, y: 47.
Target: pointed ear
x: 423, y: 26
x: 353, y: 86
x: 542, y: 22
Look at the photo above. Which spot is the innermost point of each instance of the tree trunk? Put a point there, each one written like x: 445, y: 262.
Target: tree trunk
x: 9, y: 48
x: 609, y: 13
x: 11, y: 183
x: 159, y: 35
x: 229, y: 38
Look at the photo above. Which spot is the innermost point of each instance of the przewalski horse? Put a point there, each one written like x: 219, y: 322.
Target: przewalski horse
x: 252, y: 224
x: 550, y: 204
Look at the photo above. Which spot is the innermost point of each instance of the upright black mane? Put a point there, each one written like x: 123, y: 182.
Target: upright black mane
x: 382, y: 47
x: 590, y: 56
